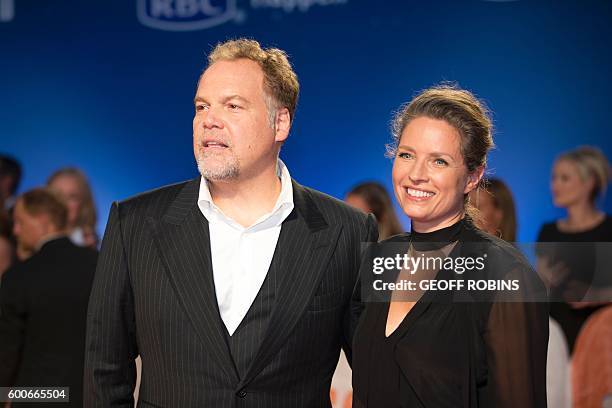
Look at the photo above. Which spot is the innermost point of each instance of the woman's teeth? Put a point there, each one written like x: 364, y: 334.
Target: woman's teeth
x: 418, y: 193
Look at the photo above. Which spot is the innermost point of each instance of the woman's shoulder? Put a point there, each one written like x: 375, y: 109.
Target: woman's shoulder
x: 548, y: 231
x: 607, y: 222
x: 495, y: 249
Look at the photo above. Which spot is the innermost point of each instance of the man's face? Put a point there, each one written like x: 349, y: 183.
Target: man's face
x: 29, y: 229
x: 232, y: 135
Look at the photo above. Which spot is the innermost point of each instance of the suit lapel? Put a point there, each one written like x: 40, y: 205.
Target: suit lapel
x: 183, y: 241
x: 305, y: 245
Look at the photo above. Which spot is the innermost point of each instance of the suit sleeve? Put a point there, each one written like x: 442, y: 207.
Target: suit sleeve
x: 353, y: 312
x: 13, y: 315
x: 110, y: 351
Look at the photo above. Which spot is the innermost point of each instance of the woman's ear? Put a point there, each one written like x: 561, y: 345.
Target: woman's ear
x: 474, y: 179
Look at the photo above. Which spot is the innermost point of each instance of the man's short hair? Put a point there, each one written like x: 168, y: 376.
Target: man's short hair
x: 9, y: 167
x: 280, y: 81
x: 43, y: 201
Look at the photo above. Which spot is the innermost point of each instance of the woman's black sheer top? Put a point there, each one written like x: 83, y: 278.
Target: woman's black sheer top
x: 486, y: 351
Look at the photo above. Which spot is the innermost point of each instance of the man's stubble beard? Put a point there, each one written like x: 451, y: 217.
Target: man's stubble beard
x: 227, y: 169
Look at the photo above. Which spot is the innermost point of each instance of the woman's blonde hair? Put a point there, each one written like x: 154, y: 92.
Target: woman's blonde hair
x: 591, y: 162
x: 87, y: 213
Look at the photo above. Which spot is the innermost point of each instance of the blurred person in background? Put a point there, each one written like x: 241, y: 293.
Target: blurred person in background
x: 579, y: 178
x: 7, y: 247
x: 43, y: 301
x: 10, y: 176
x: 73, y: 186
x: 497, y: 216
x: 372, y: 197
x: 497, y: 210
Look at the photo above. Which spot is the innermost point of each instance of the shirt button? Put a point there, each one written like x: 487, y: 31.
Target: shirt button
x: 241, y: 393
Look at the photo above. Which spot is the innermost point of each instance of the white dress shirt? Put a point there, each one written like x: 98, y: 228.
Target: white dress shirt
x: 242, y: 256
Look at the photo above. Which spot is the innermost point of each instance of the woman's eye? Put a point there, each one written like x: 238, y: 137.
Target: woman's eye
x: 440, y: 162
x: 404, y: 155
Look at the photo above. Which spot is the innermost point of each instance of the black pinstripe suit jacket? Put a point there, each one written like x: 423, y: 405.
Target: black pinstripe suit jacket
x: 153, y: 295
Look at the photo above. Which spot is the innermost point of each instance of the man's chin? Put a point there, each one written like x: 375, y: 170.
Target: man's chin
x: 219, y: 174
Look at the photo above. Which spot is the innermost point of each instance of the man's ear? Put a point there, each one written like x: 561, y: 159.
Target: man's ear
x: 282, y: 124
x: 473, y: 179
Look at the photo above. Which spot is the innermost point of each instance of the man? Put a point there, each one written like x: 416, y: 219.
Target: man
x: 234, y: 287
x: 43, y: 301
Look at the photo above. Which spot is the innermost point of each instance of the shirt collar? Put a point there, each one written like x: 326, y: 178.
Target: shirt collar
x: 283, y: 202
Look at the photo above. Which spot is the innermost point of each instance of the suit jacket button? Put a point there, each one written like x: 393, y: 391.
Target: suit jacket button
x: 241, y: 393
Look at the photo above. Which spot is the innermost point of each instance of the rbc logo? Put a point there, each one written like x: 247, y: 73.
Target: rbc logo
x: 185, y: 15
x: 7, y: 10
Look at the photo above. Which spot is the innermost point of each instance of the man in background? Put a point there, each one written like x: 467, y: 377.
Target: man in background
x: 43, y: 301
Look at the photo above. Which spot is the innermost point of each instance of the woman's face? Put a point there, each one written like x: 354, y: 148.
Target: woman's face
x: 429, y: 175
x: 567, y: 187
x: 68, y: 187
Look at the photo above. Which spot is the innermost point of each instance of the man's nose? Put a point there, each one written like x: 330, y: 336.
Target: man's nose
x: 212, y: 119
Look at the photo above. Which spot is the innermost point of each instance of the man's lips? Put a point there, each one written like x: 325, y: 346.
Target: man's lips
x: 214, y: 144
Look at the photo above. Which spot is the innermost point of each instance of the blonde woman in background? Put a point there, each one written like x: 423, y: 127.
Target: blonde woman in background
x: 579, y: 178
x: 71, y: 183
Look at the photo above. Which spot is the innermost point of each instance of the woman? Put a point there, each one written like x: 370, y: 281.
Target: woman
x: 72, y: 185
x: 372, y: 197
x: 437, y: 348
x: 579, y: 178
x: 495, y: 204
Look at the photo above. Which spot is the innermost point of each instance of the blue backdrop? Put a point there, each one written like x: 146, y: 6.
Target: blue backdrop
x: 107, y: 85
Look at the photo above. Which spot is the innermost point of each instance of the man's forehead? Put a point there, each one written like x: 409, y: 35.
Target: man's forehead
x: 226, y: 78
x: 240, y: 69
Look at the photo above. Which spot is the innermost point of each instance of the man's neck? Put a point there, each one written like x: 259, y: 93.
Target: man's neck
x: 246, y: 199
x: 49, y: 237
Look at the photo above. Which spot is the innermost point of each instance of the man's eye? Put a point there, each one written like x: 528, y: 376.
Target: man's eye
x: 404, y: 155
x: 199, y: 107
x: 233, y: 106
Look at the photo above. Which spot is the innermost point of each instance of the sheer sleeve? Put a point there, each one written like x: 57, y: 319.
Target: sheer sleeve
x: 515, y: 333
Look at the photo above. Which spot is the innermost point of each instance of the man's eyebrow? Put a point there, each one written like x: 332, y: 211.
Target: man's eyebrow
x: 225, y: 99
x: 235, y: 96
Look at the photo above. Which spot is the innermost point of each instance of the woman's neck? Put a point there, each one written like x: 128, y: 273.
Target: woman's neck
x: 582, y: 216
x: 425, y: 227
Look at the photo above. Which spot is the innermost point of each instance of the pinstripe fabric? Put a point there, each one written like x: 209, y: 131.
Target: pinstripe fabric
x: 247, y: 338
x: 153, y: 295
